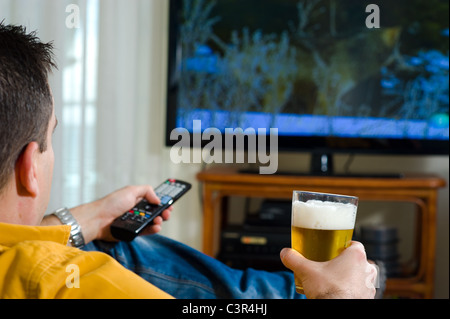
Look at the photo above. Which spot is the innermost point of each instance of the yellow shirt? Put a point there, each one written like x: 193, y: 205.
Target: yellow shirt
x: 36, y: 263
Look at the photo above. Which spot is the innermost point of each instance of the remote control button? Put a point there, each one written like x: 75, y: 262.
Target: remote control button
x: 125, y: 216
x: 174, y: 192
x: 165, y: 199
x: 161, y: 189
x: 140, y: 219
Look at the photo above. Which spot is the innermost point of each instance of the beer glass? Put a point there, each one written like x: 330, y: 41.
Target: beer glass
x: 322, y: 225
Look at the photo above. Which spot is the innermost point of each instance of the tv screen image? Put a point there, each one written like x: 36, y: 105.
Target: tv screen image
x: 315, y: 71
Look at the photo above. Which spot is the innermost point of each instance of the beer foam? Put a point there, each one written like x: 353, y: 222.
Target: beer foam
x: 316, y: 214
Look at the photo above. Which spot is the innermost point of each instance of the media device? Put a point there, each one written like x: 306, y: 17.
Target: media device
x: 134, y: 221
x: 380, y: 243
x: 317, y: 71
x: 258, y: 241
x: 257, y: 247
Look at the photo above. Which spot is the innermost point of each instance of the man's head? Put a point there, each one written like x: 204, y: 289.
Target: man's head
x: 26, y: 114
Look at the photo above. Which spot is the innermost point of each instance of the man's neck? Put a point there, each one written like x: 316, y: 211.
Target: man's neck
x: 16, y: 208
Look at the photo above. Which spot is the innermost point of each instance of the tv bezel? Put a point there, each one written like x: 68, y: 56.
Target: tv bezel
x: 309, y: 144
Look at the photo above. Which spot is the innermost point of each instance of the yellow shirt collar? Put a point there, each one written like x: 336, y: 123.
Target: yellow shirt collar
x: 11, y: 235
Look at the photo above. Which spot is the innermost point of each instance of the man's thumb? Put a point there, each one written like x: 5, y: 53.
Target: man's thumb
x: 293, y: 260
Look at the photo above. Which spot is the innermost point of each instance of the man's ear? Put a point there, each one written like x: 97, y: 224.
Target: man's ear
x: 26, y: 170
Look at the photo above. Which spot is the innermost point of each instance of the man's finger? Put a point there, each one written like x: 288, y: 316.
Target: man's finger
x: 295, y: 261
x: 151, y: 196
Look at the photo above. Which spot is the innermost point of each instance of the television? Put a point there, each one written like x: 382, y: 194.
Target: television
x: 330, y: 76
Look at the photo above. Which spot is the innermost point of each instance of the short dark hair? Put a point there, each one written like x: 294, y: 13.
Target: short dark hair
x: 25, y: 96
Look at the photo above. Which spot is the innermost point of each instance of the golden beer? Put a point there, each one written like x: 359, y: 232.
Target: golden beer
x: 320, y: 244
x: 321, y: 228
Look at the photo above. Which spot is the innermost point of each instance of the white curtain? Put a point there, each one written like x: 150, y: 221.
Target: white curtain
x: 131, y: 106
x: 131, y: 109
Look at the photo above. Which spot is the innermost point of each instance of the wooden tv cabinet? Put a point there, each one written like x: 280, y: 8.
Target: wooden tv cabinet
x: 222, y: 182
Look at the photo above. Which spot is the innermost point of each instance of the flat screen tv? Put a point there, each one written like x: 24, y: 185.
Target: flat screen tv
x: 332, y: 76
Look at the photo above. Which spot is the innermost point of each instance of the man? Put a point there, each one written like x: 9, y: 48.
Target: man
x: 38, y: 261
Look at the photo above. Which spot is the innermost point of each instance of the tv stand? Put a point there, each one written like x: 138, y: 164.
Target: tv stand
x: 219, y: 183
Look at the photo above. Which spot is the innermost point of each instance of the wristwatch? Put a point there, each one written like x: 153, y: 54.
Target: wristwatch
x: 76, y: 238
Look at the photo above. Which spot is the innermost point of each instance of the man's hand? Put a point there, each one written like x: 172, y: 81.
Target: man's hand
x: 96, y: 217
x: 348, y: 276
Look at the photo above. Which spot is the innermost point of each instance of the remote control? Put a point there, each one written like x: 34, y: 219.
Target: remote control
x: 132, y: 222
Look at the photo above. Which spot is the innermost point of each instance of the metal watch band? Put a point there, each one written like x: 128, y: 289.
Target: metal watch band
x: 76, y: 238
